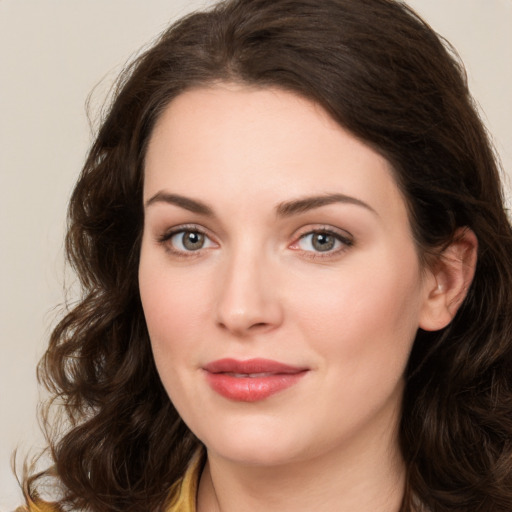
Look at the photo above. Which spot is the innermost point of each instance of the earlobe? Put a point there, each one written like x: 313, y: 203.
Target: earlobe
x: 448, y: 281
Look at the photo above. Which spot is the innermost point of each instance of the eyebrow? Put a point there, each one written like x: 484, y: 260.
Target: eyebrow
x: 191, y: 205
x: 285, y: 209
x: 305, y: 204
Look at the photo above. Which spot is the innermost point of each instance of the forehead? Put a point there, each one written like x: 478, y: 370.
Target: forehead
x: 228, y: 142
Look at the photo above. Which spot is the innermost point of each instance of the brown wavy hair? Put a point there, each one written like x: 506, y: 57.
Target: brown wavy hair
x: 383, y: 74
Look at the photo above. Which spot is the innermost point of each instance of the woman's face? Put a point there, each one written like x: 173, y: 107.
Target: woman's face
x: 278, y: 274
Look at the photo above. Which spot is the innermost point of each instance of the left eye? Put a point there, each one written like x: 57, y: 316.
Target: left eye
x: 189, y: 240
x: 320, y: 241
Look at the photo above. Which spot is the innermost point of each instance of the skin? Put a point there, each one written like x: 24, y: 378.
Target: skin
x: 259, y: 287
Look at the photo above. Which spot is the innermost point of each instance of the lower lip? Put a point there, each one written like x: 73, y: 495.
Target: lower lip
x: 251, y: 389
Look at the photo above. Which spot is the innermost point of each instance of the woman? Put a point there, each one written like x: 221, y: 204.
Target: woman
x: 295, y: 259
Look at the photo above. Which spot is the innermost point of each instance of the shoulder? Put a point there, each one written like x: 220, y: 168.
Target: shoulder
x: 182, y: 494
x: 37, y: 507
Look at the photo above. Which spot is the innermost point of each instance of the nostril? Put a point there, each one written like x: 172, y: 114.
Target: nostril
x: 258, y: 325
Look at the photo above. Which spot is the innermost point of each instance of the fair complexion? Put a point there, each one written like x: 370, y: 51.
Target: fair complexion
x: 272, y: 233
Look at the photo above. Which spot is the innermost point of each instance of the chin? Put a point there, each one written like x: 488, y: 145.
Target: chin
x: 264, y: 455
x: 254, y: 445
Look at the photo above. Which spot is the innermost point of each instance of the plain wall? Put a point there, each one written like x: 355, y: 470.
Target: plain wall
x: 53, y: 53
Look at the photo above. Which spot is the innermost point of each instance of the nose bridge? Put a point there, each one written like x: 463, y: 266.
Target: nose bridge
x: 248, y: 296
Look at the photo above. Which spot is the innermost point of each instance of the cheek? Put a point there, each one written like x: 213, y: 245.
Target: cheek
x: 366, y: 312
x: 175, y: 321
x: 165, y: 309
x: 173, y: 305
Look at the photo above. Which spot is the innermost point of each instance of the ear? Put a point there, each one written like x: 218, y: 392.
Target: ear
x: 448, y: 280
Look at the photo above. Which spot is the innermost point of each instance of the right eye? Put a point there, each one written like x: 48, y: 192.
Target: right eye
x: 185, y: 241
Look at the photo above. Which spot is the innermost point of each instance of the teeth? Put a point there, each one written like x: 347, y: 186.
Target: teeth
x: 249, y: 375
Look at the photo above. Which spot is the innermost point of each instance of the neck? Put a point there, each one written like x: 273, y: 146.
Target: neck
x: 369, y: 474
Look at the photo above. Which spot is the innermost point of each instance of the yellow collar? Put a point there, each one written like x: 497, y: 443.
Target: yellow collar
x: 184, y: 491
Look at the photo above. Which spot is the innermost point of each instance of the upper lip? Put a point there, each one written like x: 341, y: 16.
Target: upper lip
x: 251, y: 366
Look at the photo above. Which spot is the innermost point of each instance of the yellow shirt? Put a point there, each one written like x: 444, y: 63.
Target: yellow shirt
x: 183, y: 492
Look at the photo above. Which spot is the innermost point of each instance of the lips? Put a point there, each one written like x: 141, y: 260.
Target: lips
x: 251, y: 380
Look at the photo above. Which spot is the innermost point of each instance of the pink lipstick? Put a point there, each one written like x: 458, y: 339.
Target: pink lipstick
x: 251, y: 380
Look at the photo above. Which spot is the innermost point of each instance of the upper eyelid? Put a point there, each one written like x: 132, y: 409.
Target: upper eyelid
x: 322, y: 228
x: 169, y: 232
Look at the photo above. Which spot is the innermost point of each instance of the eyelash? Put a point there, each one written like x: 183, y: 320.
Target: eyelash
x: 345, y: 241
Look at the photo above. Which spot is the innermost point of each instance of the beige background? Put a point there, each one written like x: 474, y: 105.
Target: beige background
x: 52, y: 55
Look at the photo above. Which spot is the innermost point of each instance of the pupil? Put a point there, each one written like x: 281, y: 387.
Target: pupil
x: 193, y: 240
x: 323, y: 242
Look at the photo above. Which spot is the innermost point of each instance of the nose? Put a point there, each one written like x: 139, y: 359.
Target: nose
x: 248, y: 300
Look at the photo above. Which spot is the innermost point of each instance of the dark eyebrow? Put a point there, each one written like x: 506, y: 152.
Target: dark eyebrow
x: 191, y: 205
x: 309, y: 203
